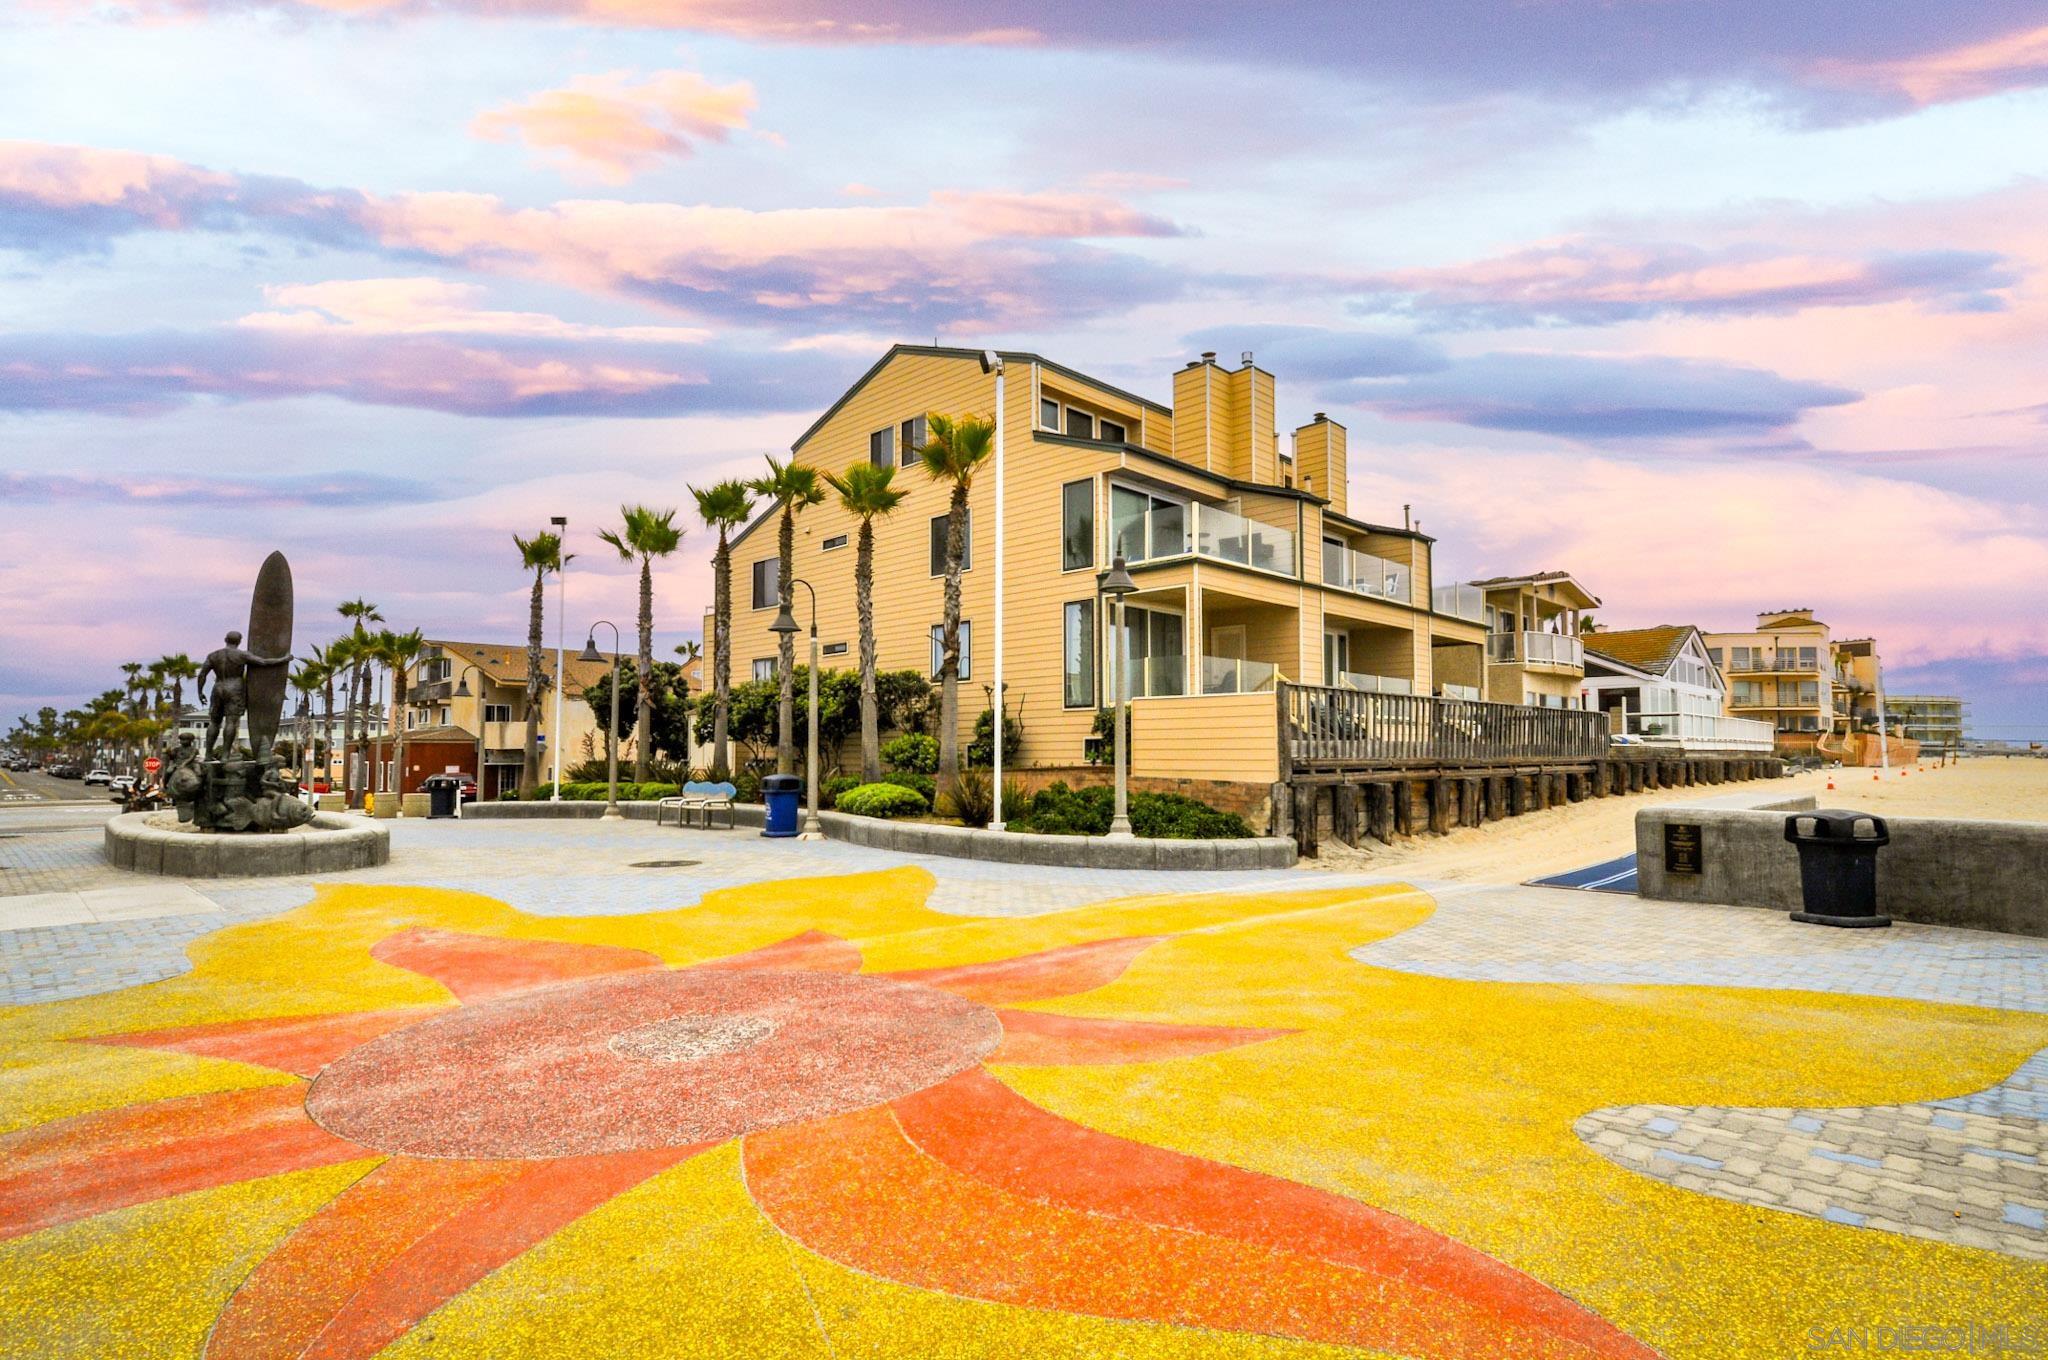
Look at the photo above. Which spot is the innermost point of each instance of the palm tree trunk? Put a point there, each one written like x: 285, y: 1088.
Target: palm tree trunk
x: 864, y: 599
x: 721, y: 659
x: 949, y: 667
x: 398, y: 687
x: 643, y: 725
x: 529, y: 769
x: 785, y: 703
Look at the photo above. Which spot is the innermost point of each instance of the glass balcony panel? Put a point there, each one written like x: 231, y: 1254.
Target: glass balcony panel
x: 1460, y: 601
x: 1375, y: 684
x: 1235, y: 675
x: 1169, y: 529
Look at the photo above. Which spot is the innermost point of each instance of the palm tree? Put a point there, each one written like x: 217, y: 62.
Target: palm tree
x: 310, y: 679
x: 953, y: 451
x: 398, y: 652
x: 793, y: 487
x: 723, y: 507
x: 646, y: 534
x: 361, y: 613
x: 865, y: 492
x: 331, y: 661
x: 540, y: 555
x: 687, y: 654
x: 177, y: 668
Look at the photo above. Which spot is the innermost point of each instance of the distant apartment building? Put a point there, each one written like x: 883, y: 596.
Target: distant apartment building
x: 1660, y: 685
x: 1252, y: 566
x: 1933, y: 720
x: 1780, y: 672
x: 459, y: 689
x: 1855, y: 684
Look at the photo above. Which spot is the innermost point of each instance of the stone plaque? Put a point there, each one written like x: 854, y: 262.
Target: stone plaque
x: 1683, y: 853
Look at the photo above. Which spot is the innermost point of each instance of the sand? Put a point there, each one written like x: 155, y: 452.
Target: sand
x: 1521, y: 848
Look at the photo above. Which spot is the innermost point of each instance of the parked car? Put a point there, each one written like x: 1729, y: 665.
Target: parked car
x: 122, y: 783
x: 99, y: 777
x: 66, y: 772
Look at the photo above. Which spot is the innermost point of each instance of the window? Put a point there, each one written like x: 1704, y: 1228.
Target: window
x: 1113, y: 433
x: 498, y: 713
x: 1077, y: 526
x: 1048, y: 413
x: 1715, y: 654
x: 913, y: 438
x: 1144, y: 526
x: 443, y: 719
x: 1080, y: 424
x: 836, y: 541
x: 435, y: 668
x: 766, y: 583
x: 1079, y: 650
x: 880, y: 448
x: 1155, y: 655
x: 835, y: 649
x: 764, y: 668
x: 966, y: 648
x: 939, y: 544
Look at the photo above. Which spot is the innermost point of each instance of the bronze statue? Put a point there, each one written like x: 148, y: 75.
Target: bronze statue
x: 230, y: 666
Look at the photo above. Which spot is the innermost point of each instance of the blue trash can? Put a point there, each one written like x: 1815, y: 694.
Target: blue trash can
x: 781, y: 793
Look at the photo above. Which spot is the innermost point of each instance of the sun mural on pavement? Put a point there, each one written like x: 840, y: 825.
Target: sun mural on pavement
x: 429, y: 1122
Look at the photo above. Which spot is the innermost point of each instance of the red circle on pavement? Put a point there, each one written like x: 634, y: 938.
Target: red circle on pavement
x: 643, y: 1060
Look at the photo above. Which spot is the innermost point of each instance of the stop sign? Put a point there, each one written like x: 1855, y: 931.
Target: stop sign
x: 152, y: 764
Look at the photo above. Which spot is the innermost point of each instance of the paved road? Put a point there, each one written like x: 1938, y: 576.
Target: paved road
x: 19, y: 787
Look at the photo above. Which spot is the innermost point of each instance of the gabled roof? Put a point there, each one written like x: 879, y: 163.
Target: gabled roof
x: 505, y: 662
x: 449, y: 733
x: 1643, y: 649
x: 1540, y: 578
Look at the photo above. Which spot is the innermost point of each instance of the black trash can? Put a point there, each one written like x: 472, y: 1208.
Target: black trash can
x: 780, y: 793
x: 1838, y: 866
x: 441, y: 796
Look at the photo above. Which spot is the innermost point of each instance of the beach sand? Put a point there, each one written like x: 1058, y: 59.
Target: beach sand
x: 1517, y: 849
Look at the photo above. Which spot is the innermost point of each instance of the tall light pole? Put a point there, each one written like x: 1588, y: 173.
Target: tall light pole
x: 996, y: 773
x: 561, y: 523
x: 462, y: 692
x: 590, y: 653
x: 1117, y: 583
x: 785, y: 623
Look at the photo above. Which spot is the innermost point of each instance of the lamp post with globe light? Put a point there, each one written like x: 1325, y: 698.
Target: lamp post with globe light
x: 785, y: 623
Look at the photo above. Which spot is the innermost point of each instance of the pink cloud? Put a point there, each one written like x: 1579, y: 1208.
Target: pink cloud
x: 430, y: 306
x: 611, y: 127
x: 1971, y: 71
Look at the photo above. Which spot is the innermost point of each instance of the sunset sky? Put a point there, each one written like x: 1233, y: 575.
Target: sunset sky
x: 1721, y: 305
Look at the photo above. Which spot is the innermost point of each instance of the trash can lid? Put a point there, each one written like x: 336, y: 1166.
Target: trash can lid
x: 1836, y: 824
x: 781, y: 783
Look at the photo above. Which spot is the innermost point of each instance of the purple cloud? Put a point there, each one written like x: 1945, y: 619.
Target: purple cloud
x: 333, y: 490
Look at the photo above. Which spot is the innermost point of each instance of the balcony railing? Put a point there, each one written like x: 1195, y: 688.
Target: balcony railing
x: 1367, y: 683
x: 1460, y: 601
x: 1536, y: 649
x: 1328, y: 725
x: 1459, y: 691
x: 1229, y: 537
x: 1702, y: 731
x: 1365, y: 574
x: 1151, y: 677
x: 1235, y: 675
x: 1778, y: 666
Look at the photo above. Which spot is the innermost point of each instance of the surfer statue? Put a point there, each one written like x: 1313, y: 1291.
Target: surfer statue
x: 229, y: 666
x: 213, y: 786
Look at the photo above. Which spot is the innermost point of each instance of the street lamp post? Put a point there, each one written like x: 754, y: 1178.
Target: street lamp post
x: 561, y: 523
x: 590, y: 653
x: 1117, y: 583
x: 785, y: 623
x: 462, y: 692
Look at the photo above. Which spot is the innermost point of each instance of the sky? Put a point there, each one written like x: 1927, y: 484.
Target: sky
x: 1720, y: 305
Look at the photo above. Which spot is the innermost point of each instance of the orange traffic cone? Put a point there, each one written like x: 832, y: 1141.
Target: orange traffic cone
x: 1831, y: 783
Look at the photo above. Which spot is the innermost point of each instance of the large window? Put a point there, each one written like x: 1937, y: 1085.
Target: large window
x: 881, y: 448
x: 1079, y: 649
x: 939, y: 544
x: 911, y: 437
x: 1145, y: 526
x: 1049, y: 413
x: 1077, y: 526
x: 764, y: 668
x: 766, y: 582
x: 1155, y: 654
x: 497, y: 713
x: 1080, y: 424
x: 1112, y: 433
x: 966, y: 649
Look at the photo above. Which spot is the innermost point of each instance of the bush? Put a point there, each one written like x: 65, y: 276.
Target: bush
x: 1060, y: 811
x: 973, y: 798
x: 830, y: 789
x: 1101, y: 745
x: 912, y: 753
x: 882, y: 800
x: 747, y: 786
x: 923, y: 785
x: 982, y: 750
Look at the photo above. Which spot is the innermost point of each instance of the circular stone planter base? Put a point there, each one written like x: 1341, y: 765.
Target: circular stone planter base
x: 153, y: 843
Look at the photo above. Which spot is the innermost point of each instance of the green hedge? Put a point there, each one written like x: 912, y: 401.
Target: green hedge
x: 1057, y: 810
x: 882, y: 800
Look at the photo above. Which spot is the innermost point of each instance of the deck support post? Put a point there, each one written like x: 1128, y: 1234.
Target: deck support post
x: 1379, y: 812
x: 1404, y: 807
x: 1442, y: 805
x: 1344, y: 814
x: 1305, y: 820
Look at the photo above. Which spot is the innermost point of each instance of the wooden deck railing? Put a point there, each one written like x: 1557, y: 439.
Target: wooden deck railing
x: 1325, y: 727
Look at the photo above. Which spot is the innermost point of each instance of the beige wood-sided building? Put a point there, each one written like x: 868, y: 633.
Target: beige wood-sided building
x: 1251, y: 565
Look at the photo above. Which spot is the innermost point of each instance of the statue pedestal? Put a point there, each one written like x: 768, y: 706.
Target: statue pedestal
x: 240, y: 796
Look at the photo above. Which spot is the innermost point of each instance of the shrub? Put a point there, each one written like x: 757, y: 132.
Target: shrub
x: 973, y: 798
x: 746, y: 786
x: 830, y: 789
x: 655, y: 790
x: 882, y: 800
x: 921, y: 784
x: 981, y: 751
x: 1101, y: 745
x: 1060, y: 811
x: 912, y: 753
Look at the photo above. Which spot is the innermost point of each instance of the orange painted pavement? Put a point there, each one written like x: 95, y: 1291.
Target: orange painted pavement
x: 838, y: 1186
x: 1042, y: 976
x: 813, y: 951
x: 479, y: 967
x: 96, y: 1163
x: 299, y: 1044
x: 1041, y: 1038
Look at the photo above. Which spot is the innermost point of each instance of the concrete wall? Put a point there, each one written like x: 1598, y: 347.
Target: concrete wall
x: 1935, y: 871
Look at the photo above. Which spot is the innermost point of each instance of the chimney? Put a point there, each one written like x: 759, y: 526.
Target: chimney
x: 1319, y: 456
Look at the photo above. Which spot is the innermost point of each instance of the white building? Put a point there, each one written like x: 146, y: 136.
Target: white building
x: 1657, y: 685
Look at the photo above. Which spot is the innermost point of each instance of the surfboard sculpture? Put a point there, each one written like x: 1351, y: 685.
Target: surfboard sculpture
x: 270, y: 634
